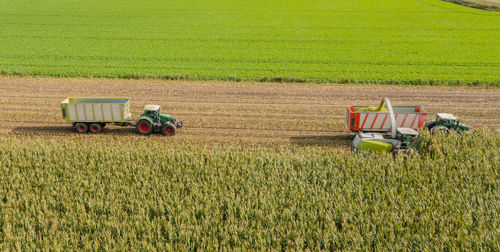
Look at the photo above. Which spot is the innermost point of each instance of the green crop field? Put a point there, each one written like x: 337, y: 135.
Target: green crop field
x: 391, y: 41
x: 101, y: 194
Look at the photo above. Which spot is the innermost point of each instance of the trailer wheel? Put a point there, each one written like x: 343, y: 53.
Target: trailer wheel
x: 81, y: 128
x: 168, y: 129
x: 144, y: 127
x: 95, y: 128
x: 440, y: 130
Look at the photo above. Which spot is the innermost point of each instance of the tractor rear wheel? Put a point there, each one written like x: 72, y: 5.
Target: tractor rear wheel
x: 81, y: 128
x: 144, y: 127
x: 168, y: 129
x: 95, y: 128
x: 439, y: 130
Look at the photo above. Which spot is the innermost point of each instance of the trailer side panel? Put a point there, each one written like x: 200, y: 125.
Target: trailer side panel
x: 406, y: 116
x: 96, y: 109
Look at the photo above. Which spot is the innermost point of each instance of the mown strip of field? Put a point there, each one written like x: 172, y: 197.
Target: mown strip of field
x: 412, y: 42
x: 245, y: 113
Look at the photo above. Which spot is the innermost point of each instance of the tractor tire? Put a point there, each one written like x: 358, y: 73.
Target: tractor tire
x: 429, y: 126
x: 144, y: 127
x: 81, y: 128
x: 95, y: 128
x: 439, y: 130
x: 168, y: 129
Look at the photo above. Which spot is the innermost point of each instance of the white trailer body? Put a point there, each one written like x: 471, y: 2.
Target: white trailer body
x: 96, y: 109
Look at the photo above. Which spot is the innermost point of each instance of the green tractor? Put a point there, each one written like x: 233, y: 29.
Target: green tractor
x: 153, y: 121
x: 92, y: 114
x: 444, y: 123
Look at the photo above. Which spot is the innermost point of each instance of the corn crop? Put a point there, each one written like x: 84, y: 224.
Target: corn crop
x: 87, y: 194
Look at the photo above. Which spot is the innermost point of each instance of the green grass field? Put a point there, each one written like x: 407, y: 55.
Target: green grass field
x: 144, y: 195
x: 392, y: 41
x: 491, y: 5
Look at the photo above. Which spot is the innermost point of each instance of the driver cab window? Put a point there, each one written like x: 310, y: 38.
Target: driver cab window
x: 153, y: 114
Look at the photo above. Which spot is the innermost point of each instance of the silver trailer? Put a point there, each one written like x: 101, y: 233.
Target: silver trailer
x: 92, y: 114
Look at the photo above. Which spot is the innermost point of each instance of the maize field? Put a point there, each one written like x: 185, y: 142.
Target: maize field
x: 102, y: 194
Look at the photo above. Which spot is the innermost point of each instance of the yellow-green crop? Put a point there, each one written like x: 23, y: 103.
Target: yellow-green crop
x: 152, y: 194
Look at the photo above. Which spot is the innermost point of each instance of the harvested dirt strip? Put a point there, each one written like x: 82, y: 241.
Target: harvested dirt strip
x: 220, y: 112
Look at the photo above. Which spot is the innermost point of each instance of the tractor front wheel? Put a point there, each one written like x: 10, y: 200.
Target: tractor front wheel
x: 168, y: 129
x: 81, y: 128
x: 95, y: 128
x: 144, y: 127
x: 429, y: 126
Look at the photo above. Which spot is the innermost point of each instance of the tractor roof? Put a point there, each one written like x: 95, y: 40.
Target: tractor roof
x: 151, y: 107
x: 407, y: 131
x: 446, y: 116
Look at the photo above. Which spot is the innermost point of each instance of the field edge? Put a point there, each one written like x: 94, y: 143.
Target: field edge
x: 274, y: 79
x: 476, y: 4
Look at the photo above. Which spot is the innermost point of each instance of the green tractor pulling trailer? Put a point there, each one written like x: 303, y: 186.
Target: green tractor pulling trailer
x: 93, y: 113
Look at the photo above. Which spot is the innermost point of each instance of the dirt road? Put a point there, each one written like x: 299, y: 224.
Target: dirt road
x: 241, y: 113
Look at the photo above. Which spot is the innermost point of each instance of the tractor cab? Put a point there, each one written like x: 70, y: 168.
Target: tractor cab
x: 406, y: 136
x: 153, y: 112
x: 446, y: 119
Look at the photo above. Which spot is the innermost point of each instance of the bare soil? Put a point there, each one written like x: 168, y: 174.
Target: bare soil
x: 237, y: 113
x: 490, y: 5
